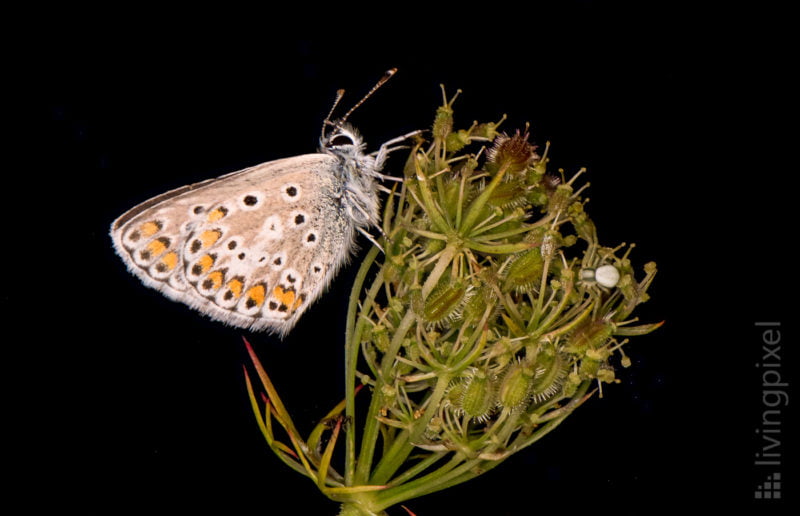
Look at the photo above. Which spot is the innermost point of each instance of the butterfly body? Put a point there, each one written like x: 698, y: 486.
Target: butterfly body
x: 255, y: 248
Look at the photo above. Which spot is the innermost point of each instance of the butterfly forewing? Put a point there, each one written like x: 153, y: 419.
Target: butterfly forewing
x: 252, y: 248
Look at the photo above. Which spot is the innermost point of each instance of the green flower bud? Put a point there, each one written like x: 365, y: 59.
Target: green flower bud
x: 443, y: 123
x: 571, y: 386
x: 540, y: 166
x: 606, y: 375
x: 415, y: 298
x: 388, y: 391
x: 582, y: 223
x: 393, y: 271
x: 487, y: 130
x: 433, y: 246
x: 412, y: 349
x: 537, y: 197
x: 435, y: 426
x: 457, y: 141
x: 560, y: 199
x: 381, y: 339
x: 588, y: 368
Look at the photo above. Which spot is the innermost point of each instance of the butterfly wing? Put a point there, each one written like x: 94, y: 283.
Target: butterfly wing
x: 252, y: 249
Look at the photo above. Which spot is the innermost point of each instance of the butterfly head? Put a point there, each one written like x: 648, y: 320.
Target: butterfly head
x: 343, y: 141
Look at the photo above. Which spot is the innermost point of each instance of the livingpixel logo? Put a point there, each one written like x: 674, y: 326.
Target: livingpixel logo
x: 774, y: 399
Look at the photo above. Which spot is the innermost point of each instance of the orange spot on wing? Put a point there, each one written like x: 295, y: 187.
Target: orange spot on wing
x: 217, y: 214
x: 300, y: 299
x: 206, y: 262
x: 257, y: 294
x: 170, y: 260
x: 150, y: 228
x: 216, y: 279
x: 156, y: 247
x: 210, y: 237
x: 284, y: 297
x: 235, y: 286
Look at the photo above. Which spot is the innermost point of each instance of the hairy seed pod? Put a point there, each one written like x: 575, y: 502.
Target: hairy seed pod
x: 551, y: 371
x: 445, y: 303
x: 513, y: 152
x: 455, y: 394
x: 511, y: 194
x: 525, y: 272
x: 589, y: 335
x: 483, y: 296
x: 479, y: 396
x: 515, y: 389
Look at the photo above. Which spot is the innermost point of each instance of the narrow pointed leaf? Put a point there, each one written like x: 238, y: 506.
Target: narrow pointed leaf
x: 280, y: 410
x: 325, y: 463
x: 642, y: 329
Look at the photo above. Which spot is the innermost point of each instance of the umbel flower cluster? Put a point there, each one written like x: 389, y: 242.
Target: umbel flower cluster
x: 492, y: 313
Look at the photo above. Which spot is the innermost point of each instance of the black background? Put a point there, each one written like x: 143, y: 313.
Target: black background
x: 127, y: 399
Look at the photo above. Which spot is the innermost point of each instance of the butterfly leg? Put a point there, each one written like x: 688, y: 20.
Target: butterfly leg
x: 352, y: 197
x: 385, y: 149
x: 383, y: 177
x: 371, y: 238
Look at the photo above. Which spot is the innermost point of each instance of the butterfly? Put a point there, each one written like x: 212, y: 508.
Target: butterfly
x: 255, y: 248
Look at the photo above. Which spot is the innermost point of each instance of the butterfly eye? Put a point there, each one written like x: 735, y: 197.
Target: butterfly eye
x: 339, y: 140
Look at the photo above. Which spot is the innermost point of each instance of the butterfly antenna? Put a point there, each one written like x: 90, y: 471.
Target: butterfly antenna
x: 388, y: 75
x: 327, y: 121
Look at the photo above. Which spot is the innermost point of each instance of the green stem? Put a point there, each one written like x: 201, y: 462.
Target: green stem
x: 500, y: 234
x: 369, y: 439
x: 498, y: 248
x: 477, y: 205
x: 419, y: 486
x: 417, y: 468
x: 429, y: 205
x: 442, y: 382
x: 371, y: 425
x: 351, y: 355
x: 403, y: 445
x: 453, y: 474
x: 357, y: 509
x: 548, y: 321
x: 389, y: 463
x: 443, y: 479
x: 537, y: 311
x: 442, y: 263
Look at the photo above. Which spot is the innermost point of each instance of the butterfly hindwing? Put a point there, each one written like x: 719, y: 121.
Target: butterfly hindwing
x: 253, y: 248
